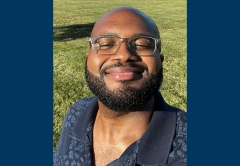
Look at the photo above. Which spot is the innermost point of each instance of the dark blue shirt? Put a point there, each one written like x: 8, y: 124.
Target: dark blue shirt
x: 164, y: 142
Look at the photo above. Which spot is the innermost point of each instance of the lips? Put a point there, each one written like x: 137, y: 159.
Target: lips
x: 124, y: 73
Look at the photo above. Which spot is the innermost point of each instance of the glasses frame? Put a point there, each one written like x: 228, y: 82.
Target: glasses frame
x: 94, y: 38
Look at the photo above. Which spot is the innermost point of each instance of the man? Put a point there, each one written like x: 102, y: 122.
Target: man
x: 127, y: 123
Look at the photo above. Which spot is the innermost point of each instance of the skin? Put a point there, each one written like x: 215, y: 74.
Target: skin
x: 114, y: 131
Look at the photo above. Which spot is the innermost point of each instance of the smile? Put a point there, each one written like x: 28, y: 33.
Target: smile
x: 124, y: 73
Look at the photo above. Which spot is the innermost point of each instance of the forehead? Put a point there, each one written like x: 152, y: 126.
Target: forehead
x: 125, y: 23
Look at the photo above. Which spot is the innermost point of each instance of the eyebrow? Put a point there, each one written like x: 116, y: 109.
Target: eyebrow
x: 142, y: 34
x: 108, y: 34
x: 115, y: 34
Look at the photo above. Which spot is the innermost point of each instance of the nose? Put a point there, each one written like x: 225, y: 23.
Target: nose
x: 124, y: 54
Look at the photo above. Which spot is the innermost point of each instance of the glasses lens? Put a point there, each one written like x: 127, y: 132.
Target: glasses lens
x: 142, y: 45
x: 106, y: 45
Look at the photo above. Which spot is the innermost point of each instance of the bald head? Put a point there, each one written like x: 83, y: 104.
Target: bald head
x: 126, y: 22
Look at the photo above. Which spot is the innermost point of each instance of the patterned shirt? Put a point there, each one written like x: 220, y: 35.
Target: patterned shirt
x: 163, y: 144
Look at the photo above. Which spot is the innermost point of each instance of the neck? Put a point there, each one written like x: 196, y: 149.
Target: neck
x: 113, y: 126
x: 114, y: 132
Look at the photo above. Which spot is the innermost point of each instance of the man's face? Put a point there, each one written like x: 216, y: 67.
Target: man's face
x: 123, y: 81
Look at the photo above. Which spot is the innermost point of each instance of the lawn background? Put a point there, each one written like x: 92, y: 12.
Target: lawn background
x: 73, y: 21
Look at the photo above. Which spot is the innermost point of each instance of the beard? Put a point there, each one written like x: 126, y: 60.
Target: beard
x: 126, y: 98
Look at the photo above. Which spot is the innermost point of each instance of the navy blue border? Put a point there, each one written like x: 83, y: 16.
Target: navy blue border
x: 26, y: 82
x: 213, y: 83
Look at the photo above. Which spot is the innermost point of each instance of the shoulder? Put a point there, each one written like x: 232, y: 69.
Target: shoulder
x: 178, y: 155
x: 77, y: 109
x: 70, y: 119
x: 81, y: 104
x: 181, y: 119
x: 182, y: 122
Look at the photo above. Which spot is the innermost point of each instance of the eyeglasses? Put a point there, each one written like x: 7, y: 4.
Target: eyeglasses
x: 137, y: 45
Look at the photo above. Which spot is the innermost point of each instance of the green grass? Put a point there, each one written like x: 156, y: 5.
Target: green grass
x: 73, y: 20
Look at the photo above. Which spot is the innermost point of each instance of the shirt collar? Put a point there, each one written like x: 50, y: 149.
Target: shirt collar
x: 82, y: 123
x: 156, y: 142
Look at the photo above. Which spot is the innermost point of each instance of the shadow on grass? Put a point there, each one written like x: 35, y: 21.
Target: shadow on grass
x: 72, y: 32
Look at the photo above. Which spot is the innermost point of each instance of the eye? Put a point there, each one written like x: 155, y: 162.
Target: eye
x: 143, y: 44
x: 107, y: 43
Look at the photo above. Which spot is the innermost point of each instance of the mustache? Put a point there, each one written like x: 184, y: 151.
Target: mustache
x: 120, y: 64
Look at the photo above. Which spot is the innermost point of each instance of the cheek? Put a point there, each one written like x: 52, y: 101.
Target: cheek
x: 153, y: 63
x: 95, y: 63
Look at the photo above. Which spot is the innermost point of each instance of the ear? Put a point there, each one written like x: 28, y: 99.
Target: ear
x: 87, y: 53
x: 162, y: 57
